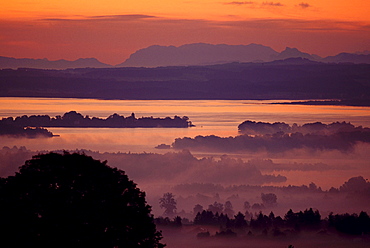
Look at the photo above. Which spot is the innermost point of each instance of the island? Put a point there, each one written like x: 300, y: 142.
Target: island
x: 14, y: 131
x: 74, y: 119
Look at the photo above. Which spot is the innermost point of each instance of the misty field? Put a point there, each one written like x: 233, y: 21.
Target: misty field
x: 186, y: 237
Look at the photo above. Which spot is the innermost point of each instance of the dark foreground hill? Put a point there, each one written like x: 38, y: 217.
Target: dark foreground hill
x: 288, y: 79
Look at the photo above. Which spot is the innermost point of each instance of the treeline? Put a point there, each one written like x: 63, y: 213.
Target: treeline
x: 279, y: 142
x: 235, y: 81
x: 291, y: 223
x: 358, y: 185
x: 74, y: 119
x: 258, y: 128
x: 280, y: 137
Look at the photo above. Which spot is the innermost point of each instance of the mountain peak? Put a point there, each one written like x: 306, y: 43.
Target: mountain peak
x: 295, y: 53
x: 290, y: 49
x: 292, y: 52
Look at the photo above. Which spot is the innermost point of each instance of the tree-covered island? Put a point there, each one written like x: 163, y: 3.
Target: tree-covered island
x: 32, y: 126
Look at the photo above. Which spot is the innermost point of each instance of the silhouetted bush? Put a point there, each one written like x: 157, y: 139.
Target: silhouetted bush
x: 203, y: 234
x: 165, y: 221
x: 227, y: 233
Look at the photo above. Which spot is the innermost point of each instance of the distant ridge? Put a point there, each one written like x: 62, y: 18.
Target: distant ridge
x: 208, y: 54
x: 13, y: 63
x: 199, y: 54
x: 294, y: 61
x: 189, y: 55
x: 348, y: 58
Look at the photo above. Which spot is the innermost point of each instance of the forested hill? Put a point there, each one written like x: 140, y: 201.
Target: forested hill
x: 286, y: 79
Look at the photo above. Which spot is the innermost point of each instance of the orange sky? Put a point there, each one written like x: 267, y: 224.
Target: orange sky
x: 111, y: 30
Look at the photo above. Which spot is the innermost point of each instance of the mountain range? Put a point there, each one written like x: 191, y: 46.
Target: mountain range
x: 13, y: 63
x: 189, y: 54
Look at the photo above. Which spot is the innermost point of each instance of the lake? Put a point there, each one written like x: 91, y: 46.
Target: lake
x: 218, y: 117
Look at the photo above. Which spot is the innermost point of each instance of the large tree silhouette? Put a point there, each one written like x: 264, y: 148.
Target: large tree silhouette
x: 72, y: 200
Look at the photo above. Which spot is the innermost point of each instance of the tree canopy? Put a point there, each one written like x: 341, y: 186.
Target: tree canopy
x: 72, y: 200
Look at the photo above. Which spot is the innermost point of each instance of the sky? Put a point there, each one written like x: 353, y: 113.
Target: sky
x: 111, y: 30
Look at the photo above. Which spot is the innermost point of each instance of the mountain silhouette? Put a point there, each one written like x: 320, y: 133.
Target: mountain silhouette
x: 189, y: 55
x: 14, y: 63
x: 199, y: 54
x: 295, y: 53
x: 208, y: 54
x: 294, y: 61
x: 349, y: 58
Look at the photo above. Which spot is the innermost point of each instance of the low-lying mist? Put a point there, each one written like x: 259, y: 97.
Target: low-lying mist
x: 207, y: 180
x: 186, y: 237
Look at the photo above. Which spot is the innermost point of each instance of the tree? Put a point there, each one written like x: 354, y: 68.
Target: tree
x: 269, y: 199
x: 257, y: 206
x: 229, y: 209
x: 246, y: 205
x: 177, y: 221
x: 72, y: 200
x: 240, y: 221
x: 197, y: 209
x: 216, y: 207
x: 168, y: 202
x: 205, y: 218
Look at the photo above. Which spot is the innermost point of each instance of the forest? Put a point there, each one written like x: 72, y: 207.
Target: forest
x: 261, y: 224
x: 291, y: 79
x: 243, y: 212
x: 219, y: 225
